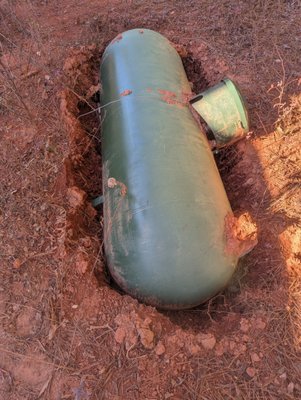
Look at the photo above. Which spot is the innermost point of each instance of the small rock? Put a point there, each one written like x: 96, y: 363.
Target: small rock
x: 248, y: 182
x: 193, y: 349
x: 255, y: 357
x: 290, y: 387
x: 160, y: 348
x: 251, y: 372
x: 240, y: 348
x: 207, y: 340
x: 283, y: 376
x: 220, y: 350
x: 259, y: 324
x: 74, y: 306
x: 81, y: 262
x: 76, y: 197
x: 232, y: 345
x: 17, y: 263
x: 146, y: 337
x: 244, y: 325
x: 120, y: 335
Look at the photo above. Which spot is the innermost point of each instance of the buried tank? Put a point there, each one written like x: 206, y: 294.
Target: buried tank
x: 165, y: 207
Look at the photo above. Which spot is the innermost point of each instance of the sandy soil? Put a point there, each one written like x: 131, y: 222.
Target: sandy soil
x: 66, y: 331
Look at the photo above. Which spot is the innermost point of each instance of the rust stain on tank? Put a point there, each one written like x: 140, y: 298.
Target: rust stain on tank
x: 186, y: 97
x: 126, y: 92
x: 170, y: 97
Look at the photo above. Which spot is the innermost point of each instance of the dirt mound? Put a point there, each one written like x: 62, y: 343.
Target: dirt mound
x: 137, y: 331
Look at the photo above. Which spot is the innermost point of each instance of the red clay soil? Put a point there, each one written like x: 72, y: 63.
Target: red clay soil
x: 67, y: 332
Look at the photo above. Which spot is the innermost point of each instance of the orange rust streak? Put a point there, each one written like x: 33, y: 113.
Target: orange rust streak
x: 171, y: 97
x: 126, y: 92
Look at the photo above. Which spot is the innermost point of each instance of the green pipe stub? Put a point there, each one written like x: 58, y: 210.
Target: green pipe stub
x: 223, y: 109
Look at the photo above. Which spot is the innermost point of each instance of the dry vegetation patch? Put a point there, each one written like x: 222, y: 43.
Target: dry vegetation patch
x: 66, y: 333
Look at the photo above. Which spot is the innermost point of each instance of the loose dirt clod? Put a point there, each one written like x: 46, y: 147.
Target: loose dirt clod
x: 241, y: 235
x: 251, y: 372
x: 160, y: 349
x: 208, y: 341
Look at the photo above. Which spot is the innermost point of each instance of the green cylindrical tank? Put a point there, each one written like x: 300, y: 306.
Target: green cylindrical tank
x: 164, y: 201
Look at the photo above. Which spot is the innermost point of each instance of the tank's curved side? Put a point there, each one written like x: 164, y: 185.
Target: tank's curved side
x: 164, y: 202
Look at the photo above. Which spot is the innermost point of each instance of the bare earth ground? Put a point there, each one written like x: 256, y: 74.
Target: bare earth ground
x: 66, y: 332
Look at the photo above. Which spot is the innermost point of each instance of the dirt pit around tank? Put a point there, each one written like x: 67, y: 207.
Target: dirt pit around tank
x: 66, y: 331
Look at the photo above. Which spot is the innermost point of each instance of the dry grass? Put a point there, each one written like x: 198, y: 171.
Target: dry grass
x: 229, y: 38
x: 288, y: 202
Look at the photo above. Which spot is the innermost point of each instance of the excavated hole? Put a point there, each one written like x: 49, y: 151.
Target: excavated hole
x: 87, y: 176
